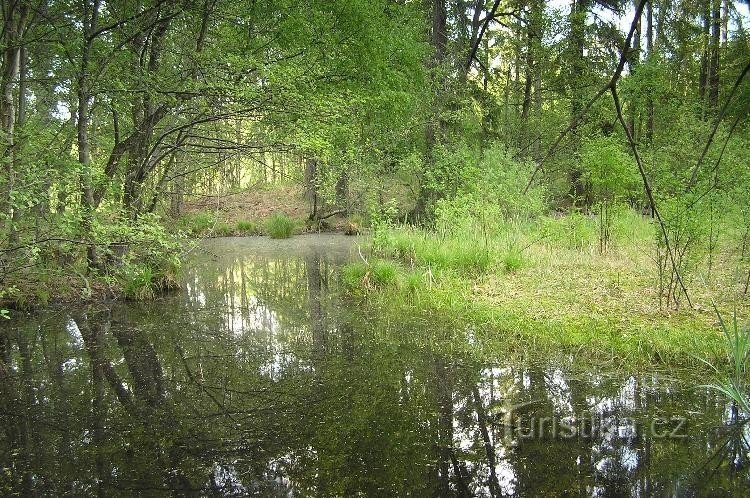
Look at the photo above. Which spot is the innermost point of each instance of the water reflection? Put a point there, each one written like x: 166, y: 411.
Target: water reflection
x: 262, y: 378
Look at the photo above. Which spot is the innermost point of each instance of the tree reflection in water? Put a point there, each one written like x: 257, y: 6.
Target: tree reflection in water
x: 263, y: 378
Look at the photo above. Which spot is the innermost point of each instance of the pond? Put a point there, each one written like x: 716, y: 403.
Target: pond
x: 263, y: 377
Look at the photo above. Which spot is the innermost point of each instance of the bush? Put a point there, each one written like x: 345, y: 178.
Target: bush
x: 280, y: 226
x: 486, y: 191
x: 141, y: 256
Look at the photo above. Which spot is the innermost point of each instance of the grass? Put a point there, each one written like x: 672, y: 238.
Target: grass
x: 417, y: 248
x: 280, y: 226
x: 248, y: 227
x: 525, y: 285
x: 737, y: 346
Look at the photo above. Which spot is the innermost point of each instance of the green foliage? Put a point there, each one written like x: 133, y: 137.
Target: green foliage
x: 383, y: 273
x: 142, y: 256
x: 374, y: 274
x: 612, y: 176
x: 609, y: 169
x: 483, y: 190
x: 513, y: 261
x: 138, y: 282
x: 280, y: 226
x: 248, y: 227
x: 223, y: 230
x: 573, y: 231
x: 197, y: 224
x: 737, y: 343
x: 353, y: 274
x: 464, y: 254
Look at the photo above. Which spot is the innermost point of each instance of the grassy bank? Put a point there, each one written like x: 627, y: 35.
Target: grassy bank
x: 546, y: 287
x: 277, y: 211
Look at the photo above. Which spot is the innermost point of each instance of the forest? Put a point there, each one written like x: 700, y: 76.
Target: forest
x: 527, y: 121
x: 562, y: 179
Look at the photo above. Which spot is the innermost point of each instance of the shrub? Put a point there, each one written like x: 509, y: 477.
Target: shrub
x: 141, y: 256
x: 138, y: 282
x: 280, y: 226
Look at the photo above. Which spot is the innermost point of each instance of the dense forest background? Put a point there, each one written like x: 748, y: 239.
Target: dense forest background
x: 117, y: 114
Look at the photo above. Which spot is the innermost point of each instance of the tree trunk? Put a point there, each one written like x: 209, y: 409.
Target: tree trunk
x: 705, y: 56
x: 311, y: 186
x: 90, y: 15
x: 650, y: 51
x: 15, y: 15
x: 578, y: 13
x: 439, y: 41
x: 713, y: 67
x: 635, y: 59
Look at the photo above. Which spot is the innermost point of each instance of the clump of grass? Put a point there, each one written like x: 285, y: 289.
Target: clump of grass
x: 413, y: 281
x: 353, y: 274
x: 383, y: 273
x: 734, y: 386
x: 513, y: 261
x: 248, y: 227
x: 376, y: 274
x: 223, y: 230
x: 280, y: 226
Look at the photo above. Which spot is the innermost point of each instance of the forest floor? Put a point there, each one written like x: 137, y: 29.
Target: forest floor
x: 246, y: 213
x: 554, y: 299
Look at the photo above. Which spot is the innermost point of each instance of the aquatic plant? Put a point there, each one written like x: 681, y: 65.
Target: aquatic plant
x: 737, y: 344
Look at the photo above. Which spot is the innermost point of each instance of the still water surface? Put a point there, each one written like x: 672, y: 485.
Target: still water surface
x: 261, y: 377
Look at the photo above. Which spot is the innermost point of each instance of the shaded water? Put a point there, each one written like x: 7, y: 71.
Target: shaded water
x: 262, y: 378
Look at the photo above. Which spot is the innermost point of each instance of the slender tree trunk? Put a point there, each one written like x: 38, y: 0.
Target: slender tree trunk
x: 635, y: 59
x: 705, y: 56
x: 91, y: 14
x: 713, y: 68
x: 725, y: 6
x: 578, y: 13
x: 651, y: 59
x: 15, y: 15
x: 439, y: 41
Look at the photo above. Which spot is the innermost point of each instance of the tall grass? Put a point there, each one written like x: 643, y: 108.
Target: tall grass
x: 280, y: 226
x: 466, y: 254
x: 734, y: 385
